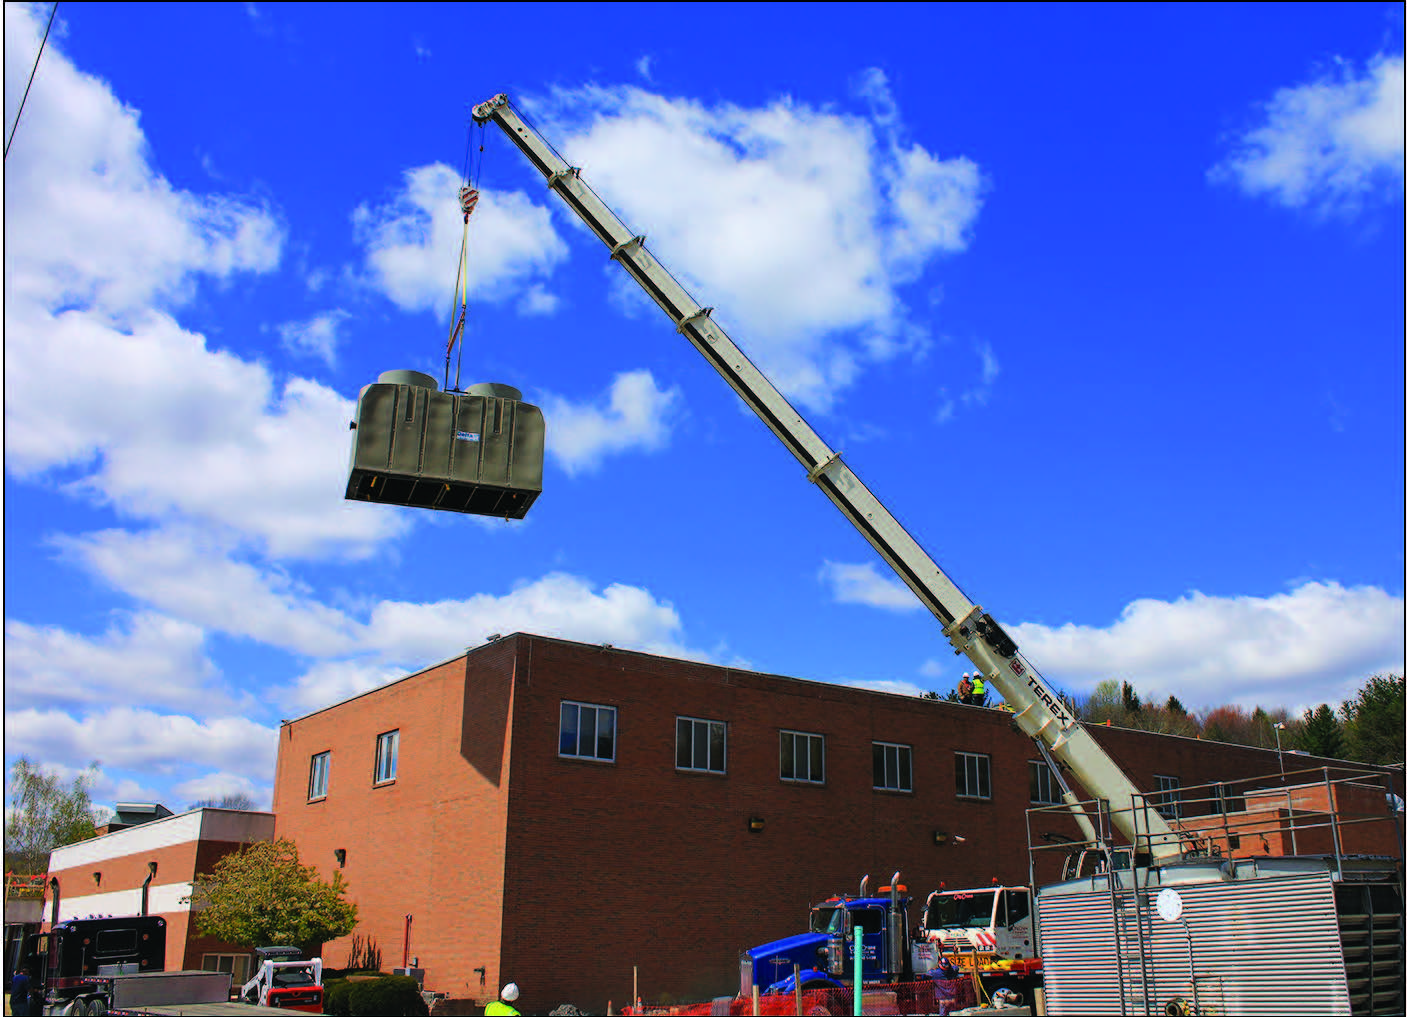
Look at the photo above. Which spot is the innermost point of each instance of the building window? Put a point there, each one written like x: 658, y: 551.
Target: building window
x: 1168, y: 799
x: 388, y: 747
x: 893, y: 767
x: 1227, y: 799
x: 588, y: 732
x: 700, y: 745
x: 1044, y: 788
x: 803, y: 757
x: 237, y: 964
x: 317, y: 775
x: 974, y: 775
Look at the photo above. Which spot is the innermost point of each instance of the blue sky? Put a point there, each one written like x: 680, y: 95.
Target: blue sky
x: 1105, y: 303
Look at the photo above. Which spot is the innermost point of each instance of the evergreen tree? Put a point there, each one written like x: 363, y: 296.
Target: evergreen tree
x: 1322, y: 734
x: 1373, y: 720
x: 1175, y: 707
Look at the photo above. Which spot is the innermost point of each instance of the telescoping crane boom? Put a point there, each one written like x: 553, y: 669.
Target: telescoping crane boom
x: 972, y: 631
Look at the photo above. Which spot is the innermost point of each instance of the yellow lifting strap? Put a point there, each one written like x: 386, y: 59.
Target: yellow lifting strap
x: 468, y: 199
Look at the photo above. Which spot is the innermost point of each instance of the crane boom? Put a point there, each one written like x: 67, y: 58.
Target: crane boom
x: 971, y: 631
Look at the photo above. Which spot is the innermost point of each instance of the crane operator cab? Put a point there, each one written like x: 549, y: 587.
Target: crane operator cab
x: 477, y: 451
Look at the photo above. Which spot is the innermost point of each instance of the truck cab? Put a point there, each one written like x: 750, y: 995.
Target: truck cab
x: 66, y: 959
x: 993, y: 922
x: 826, y: 952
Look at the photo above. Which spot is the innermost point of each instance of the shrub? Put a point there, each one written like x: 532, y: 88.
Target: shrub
x: 334, y: 997
x: 389, y: 996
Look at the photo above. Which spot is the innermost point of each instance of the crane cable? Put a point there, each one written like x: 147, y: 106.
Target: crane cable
x: 32, y: 71
x: 459, y: 310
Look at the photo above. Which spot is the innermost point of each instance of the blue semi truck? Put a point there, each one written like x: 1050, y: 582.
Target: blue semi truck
x: 826, y: 953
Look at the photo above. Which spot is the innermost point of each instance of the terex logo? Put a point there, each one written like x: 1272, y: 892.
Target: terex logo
x: 1056, y: 706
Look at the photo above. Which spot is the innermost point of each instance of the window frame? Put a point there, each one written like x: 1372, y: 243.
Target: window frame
x: 962, y: 765
x: 902, y: 781
x: 811, y: 739
x: 1038, y: 769
x: 593, y: 756
x: 237, y: 961
x: 383, y: 773
x: 1168, y: 795
x: 317, y: 789
x: 709, y: 728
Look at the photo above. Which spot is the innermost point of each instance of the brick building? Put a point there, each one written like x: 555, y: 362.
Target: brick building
x: 157, y: 858
x: 564, y: 815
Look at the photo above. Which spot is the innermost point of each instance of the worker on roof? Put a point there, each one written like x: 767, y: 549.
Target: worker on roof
x: 965, y: 689
x: 979, y: 689
x: 501, y: 1006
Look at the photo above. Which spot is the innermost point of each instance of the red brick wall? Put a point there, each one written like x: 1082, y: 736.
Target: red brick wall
x: 429, y: 845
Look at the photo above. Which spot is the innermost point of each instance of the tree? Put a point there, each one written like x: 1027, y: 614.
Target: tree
x: 1175, y: 707
x: 1129, y: 698
x: 1373, y: 720
x: 1322, y: 734
x: 45, y: 813
x: 237, y: 800
x: 263, y: 895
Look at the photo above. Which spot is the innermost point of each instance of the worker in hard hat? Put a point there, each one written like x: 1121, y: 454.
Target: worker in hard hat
x: 501, y: 1005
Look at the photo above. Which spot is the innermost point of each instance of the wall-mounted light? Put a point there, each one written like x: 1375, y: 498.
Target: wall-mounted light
x: 97, y: 879
x: 941, y: 837
x: 341, y: 855
x: 755, y: 824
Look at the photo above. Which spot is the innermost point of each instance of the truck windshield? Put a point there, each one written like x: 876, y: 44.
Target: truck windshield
x: 828, y: 919
x: 971, y: 909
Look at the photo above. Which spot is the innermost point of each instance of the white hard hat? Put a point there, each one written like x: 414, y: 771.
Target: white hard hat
x: 509, y: 993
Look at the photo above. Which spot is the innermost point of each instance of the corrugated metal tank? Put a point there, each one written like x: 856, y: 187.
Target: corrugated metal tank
x: 1267, y: 939
x: 479, y: 451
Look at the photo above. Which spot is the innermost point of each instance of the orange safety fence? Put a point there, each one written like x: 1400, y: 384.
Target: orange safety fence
x: 21, y: 885
x: 926, y: 996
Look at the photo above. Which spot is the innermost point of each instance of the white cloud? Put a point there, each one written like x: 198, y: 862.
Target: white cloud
x: 897, y: 688
x: 331, y: 681
x: 87, y: 219
x: 315, y: 337
x: 978, y: 393
x: 216, y: 786
x: 197, y: 579
x: 1314, y: 644
x: 154, y: 658
x: 98, y: 247
x: 799, y: 224
x: 559, y: 605
x: 1329, y: 143
x: 183, y: 430
x: 412, y: 240
x: 862, y: 584
x: 125, y: 737
x: 635, y: 414
x: 203, y: 583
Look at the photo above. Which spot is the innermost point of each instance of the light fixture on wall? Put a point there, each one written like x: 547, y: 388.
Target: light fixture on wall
x: 755, y: 824
x: 97, y: 879
x: 341, y: 855
x: 942, y: 837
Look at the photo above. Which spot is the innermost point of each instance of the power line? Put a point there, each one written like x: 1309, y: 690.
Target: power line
x: 20, y: 112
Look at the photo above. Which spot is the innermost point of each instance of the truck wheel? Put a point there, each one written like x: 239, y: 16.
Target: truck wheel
x: 97, y: 1006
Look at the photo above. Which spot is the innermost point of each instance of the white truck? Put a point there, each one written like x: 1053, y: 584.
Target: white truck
x: 1314, y: 935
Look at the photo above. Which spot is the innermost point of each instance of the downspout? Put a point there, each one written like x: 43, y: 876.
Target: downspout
x: 146, y: 886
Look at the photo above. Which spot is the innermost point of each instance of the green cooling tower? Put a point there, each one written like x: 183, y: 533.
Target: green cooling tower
x: 477, y: 451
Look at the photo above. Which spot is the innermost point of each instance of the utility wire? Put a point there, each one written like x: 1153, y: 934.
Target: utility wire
x: 20, y: 112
